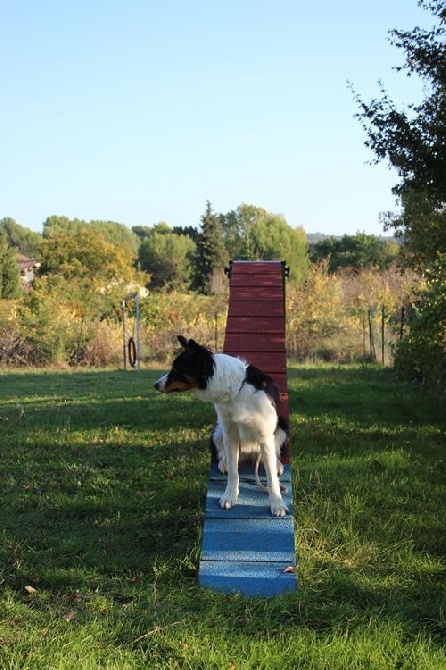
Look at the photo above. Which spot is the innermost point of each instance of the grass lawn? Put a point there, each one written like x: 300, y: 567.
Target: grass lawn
x: 102, y: 493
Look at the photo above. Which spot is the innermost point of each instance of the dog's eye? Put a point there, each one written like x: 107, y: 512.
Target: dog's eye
x: 178, y: 374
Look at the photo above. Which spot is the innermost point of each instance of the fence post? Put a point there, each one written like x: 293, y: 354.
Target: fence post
x: 402, y: 322
x: 371, y: 337
x: 383, y: 316
x: 215, y: 331
x: 363, y: 335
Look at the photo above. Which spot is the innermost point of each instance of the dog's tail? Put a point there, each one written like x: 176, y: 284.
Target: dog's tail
x: 261, y: 486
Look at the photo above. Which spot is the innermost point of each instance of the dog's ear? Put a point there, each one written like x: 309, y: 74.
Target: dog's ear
x: 193, y: 345
x: 182, y: 340
x: 189, y: 345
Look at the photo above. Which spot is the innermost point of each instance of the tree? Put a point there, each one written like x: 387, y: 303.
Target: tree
x: 414, y: 143
x: 85, y: 254
x: 235, y: 226
x: 10, y: 287
x: 237, y: 230
x: 190, y: 231
x: 141, y: 232
x: 273, y: 239
x: 116, y: 234
x: 167, y: 258
x: 211, y: 255
x: 357, y: 252
x: 252, y: 233
x: 413, y: 140
x: 421, y: 354
x: 22, y: 239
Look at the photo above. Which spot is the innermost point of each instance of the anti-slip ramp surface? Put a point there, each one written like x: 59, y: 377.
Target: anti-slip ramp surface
x: 245, y: 549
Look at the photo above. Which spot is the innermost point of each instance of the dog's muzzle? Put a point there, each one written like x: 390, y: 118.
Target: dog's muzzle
x: 160, y: 384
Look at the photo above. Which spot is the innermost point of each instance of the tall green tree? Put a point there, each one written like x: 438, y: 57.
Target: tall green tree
x: 211, y: 255
x: 117, y: 234
x: 167, y: 258
x: 235, y: 227
x: 357, y: 252
x: 271, y: 238
x: 190, y: 231
x: 237, y: 230
x: 84, y: 253
x: 252, y: 233
x: 10, y: 287
x: 413, y: 139
x: 22, y: 239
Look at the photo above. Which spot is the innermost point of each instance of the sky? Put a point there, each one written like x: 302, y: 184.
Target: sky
x: 139, y: 111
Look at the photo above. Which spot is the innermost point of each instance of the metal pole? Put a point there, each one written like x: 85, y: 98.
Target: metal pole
x: 138, y: 343
x: 124, y: 335
x: 371, y: 337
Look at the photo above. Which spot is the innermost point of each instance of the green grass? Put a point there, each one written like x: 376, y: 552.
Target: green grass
x: 102, y: 494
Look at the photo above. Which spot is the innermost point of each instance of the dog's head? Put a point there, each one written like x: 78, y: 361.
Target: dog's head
x: 191, y: 369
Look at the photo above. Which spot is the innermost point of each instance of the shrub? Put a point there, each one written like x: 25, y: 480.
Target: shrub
x: 421, y: 353
x: 99, y: 345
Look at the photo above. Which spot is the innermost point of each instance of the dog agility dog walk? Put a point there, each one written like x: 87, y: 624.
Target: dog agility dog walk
x: 248, y: 424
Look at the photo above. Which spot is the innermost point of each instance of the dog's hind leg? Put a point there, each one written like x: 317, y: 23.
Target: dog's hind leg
x: 278, y: 507
x: 279, y: 470
x: 256, y: 471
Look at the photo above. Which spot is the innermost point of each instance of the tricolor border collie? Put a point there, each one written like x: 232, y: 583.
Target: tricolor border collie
x: 246, y: 401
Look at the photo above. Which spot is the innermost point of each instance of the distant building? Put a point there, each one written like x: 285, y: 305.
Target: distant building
x: 27, y: 267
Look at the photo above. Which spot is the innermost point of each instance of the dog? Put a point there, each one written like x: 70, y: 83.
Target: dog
x: 246, y: 401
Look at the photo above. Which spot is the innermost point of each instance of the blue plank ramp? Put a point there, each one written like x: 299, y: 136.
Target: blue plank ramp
x: 245, y: 549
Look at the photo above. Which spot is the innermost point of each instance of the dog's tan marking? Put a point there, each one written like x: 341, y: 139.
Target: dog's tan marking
x: 177, y: 386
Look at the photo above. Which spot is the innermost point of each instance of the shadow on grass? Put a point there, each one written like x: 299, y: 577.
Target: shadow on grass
x: 99, y: 474
x: 103, y: 482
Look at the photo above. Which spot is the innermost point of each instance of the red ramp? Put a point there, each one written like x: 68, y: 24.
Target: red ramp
x: 245, y: 549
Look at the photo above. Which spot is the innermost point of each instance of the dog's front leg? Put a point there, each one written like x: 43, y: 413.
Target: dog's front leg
x: 278, y: 507
x: 230, y: 496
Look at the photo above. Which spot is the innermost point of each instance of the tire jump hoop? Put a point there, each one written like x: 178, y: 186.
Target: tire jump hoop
x: 131, y: 351
x: 131, y: 345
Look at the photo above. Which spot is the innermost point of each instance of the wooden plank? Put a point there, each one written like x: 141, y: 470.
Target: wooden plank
x: 285, y: 456
x: 261, y: 280
x: 255, y: 308
x: 267, y: 361
x: 268, y: 342
x: 256, y: 326
x: 256, y: 267
x: 262, y: 293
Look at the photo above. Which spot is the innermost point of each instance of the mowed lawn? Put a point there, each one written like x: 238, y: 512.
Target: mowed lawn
x: 103, y: 484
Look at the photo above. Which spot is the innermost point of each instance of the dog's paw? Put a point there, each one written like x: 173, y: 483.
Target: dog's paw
x: 222, y: 466
x: 228, y: 500
x: 278, y: 507
x: 279, y: 468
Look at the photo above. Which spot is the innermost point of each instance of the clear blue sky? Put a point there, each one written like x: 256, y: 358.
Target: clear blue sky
x: 139, y: 111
